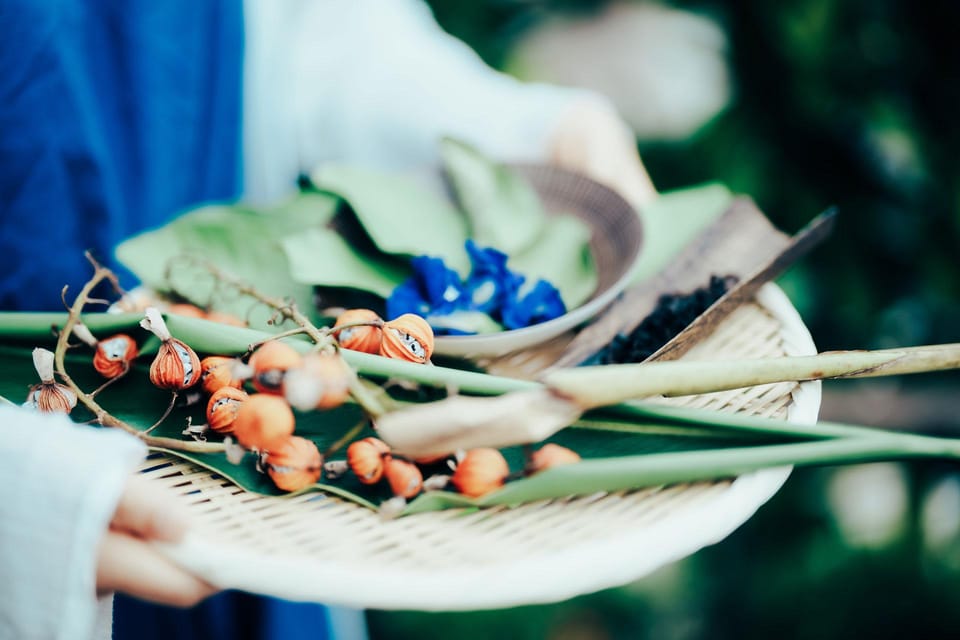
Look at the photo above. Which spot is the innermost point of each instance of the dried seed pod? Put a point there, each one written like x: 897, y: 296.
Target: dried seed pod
x: 407, y: 337
x: 114, y: 355
x: 185, y: 309
x: 49, y: 396
x: 216, y: 372
x: 551, y: 455
x: 176, y: 366
x: 263, y: 422
x: 270, y: 362
x: 367, y: 459
x: 295, y: 464
x: 322, y: 381
x: 364, y: 338
x: 223, y: 407
x: 225, y: 318
x: 404, y: 477
x: 480, y: 472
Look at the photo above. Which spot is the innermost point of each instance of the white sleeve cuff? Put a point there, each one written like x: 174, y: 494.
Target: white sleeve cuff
x: 376, y: 82
x: 62, y: 484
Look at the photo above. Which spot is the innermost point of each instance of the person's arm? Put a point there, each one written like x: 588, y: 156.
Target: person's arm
x: 379, y: 83
x: 74, y: 525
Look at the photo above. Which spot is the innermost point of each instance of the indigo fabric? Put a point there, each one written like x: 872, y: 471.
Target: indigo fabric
x: 114, y: 116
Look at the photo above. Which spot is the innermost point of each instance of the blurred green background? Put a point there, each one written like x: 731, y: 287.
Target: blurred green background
x: 801, y: 104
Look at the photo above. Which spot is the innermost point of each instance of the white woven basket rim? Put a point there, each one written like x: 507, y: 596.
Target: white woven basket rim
x: 535, y: 578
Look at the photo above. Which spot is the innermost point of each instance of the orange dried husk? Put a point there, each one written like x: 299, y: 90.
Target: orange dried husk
x: 216, y: 372
x: 263, y: 422
x: 407, y: 337
x: 551, y: 455
x: 113, y: 355
x: 51, y: 397
x: 332, y: 374
x: 404, y: 477
x: 480, y: 471
x: 367, y: 459
x: 189, y: 310
x: 225, y: 318
x: 361, y: 338
x: 175, y: 367
x: 223, y: 407
x: 270, y: 362
x: 295, y: 464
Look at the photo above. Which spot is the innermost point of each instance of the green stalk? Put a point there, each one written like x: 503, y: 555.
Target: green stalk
x: 609, y: 384
x: 615, y: 474
x: 721, y: 420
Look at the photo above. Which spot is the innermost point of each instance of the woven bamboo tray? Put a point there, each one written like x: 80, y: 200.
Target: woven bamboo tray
x: 318, y: 547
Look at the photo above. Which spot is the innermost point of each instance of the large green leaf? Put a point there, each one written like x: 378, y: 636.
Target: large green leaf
x: 504, y: 210
x: 242, y: 241
x: 323, y: 257
x: 399, y: 215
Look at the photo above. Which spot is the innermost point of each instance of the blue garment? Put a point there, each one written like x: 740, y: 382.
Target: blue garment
x: 115, y: 115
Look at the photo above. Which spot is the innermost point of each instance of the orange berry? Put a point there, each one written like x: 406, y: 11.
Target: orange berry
x: 322, y: 381
x: 114, y: 355
x: 216, y: 372
x: 366, y: 459
x: 270, y: 362
x: 223, y: 407
x: 263, y: 422
x: 407, y: 337
x: 480, y: 472
x: 359, y: 338
x: 295, y: 464
x: 551, y: 455
x: 404, y: 477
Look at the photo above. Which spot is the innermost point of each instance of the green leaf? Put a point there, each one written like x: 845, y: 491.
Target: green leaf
x: 399, y: 215
x: 562, y: 257
x: 323, y: 257
x: 504, y: 210
x: 241, y: 241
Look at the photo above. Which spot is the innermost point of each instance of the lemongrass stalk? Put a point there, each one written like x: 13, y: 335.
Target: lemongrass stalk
x: 610, y: 384
x: 632, y: 472
x: 736, y: 422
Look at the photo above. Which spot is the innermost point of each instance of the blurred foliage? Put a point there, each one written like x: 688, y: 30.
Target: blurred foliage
x: 845, y: 102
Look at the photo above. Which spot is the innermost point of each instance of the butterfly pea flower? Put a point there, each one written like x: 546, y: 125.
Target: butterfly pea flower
x: 540, y: 304
x: 433, y: 288
x: 491, y: 294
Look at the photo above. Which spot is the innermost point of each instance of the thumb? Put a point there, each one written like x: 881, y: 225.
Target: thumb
x: 147, y: 511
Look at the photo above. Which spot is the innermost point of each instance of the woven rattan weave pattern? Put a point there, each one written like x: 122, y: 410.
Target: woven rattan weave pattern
x: 495, y: 557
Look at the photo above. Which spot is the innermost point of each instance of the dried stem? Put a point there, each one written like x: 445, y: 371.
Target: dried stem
x: 321, y: 337
x: 103, y: 417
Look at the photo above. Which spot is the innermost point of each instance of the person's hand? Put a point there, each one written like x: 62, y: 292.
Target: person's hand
x: 128, y: 563
x: 592, y: 139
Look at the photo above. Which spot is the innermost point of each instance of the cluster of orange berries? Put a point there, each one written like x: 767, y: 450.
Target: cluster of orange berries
x: 264, y: 422
x: 476, y: 473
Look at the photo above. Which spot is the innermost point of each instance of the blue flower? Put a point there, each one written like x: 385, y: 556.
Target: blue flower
x: 490, y: 282
x: 492, y: 292
x: 433, y: 288
x: 542, y: 303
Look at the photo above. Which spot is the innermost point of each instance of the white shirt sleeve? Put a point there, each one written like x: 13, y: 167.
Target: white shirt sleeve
x: 61, y: 484
x: 376, y: 82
